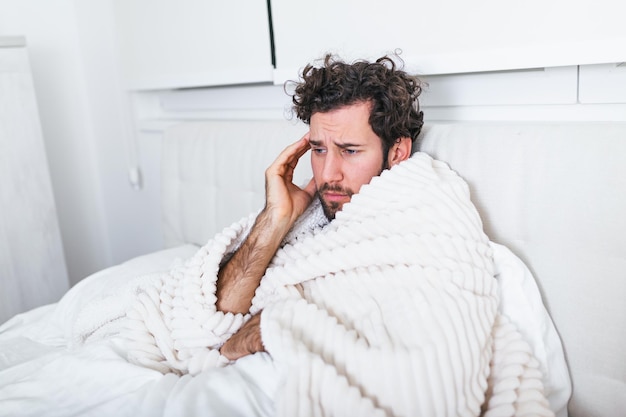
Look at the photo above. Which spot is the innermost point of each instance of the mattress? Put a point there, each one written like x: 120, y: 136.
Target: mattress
x: 41, y: 376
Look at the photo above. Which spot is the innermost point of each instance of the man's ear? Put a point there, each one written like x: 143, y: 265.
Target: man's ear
x: 399, y: 151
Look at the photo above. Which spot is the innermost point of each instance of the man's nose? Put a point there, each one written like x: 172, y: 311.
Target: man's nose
x: 332, y: 171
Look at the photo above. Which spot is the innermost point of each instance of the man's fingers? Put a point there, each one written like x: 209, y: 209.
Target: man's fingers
x: 289, y: 157
x: 287, y: 199
x: 299, y: 149
x: 245, y: 341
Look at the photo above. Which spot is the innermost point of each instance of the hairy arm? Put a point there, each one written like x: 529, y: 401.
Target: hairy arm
x: 240, y: 276
x: 284, y: 203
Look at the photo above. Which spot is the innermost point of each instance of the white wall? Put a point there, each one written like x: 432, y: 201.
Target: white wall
x: 132, y: 215
x: 71, y: 50
x: 91, y: 142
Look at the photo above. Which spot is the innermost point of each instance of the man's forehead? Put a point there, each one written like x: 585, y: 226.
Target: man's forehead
x: 346, y: 124
x: 360, y: 108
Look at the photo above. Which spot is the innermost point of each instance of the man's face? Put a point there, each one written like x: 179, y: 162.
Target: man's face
x: 345, y: 154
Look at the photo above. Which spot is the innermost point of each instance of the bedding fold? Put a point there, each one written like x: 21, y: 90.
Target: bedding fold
x: 389, y: 309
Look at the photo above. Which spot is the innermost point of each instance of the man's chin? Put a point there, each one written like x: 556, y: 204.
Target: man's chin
x: 330, y: 209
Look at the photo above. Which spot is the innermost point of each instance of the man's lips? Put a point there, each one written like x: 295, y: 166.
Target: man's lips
x: 332, y: 196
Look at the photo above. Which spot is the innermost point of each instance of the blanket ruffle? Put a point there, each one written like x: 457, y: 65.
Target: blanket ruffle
x: 397, y: 302
x: 390, y: 309
x: 174, y: 325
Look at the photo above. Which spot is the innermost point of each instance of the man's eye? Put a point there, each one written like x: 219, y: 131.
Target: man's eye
x: 318, y: 150
x: 350, y: 151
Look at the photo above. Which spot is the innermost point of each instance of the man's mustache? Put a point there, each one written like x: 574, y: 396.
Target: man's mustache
x: 335, y: 189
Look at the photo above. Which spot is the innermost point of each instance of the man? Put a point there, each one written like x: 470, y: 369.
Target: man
x: 392, y: 309
x: 363, y: 119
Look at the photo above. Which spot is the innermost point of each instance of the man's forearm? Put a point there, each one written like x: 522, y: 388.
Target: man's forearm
x: 239, y: 278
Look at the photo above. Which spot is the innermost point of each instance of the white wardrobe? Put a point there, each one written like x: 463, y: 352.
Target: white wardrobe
x: 32, y: 263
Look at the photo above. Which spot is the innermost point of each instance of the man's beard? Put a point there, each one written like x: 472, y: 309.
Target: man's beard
x: 331, y: 208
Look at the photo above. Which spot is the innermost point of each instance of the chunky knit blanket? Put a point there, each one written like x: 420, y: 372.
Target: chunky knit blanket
x: 390, y: 309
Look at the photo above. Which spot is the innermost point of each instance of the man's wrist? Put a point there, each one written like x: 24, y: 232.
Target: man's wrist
x: 272, y: 226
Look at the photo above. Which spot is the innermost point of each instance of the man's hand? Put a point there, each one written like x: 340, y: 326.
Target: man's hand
x: 239, y: 278
x: 284, y: 200
x: 246, y: 341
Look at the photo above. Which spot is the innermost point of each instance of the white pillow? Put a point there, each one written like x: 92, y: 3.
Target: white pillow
x: 521, y: 302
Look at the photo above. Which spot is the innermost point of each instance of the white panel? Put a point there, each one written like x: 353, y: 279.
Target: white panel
x: 12, y: 41
x: 450, y: 36
x: 538, y: 86
x: 547, y: 113
x: 187, y: 43
x: 226, y: 98
x: 603, y: 83
x: 32, y: 264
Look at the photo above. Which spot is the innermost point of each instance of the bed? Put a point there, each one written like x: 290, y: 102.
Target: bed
x: 551, y: 195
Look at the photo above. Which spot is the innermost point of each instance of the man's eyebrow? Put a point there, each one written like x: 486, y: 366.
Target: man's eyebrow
x: 314, y: 142
x: 348, y: 145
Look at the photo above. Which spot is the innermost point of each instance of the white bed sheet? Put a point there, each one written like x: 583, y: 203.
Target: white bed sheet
x: 40, y: 376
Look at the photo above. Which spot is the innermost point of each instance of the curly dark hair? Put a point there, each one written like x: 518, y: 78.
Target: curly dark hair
x: 393, y: 93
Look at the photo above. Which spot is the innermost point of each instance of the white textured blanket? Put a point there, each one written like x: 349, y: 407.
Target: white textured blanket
x: 391, y: 309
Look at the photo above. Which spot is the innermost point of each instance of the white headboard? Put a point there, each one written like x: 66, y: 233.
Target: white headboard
x: 554, y: 193
x: 213, y: 174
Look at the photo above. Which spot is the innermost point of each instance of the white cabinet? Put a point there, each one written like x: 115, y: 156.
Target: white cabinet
x: 450, y: 36
x: 189, y: 43
x: 32, y: 264
x: 166, y: 44
x: 537, y: 86
x: 603, y: 83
